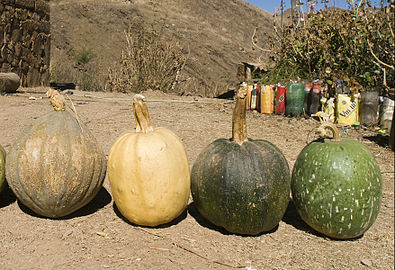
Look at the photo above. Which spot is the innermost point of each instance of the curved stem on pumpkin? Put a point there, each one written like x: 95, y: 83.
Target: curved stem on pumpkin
x: 327, y: 125
x: 239, y: 123
x: 56, y: 100
x: 143, y: 123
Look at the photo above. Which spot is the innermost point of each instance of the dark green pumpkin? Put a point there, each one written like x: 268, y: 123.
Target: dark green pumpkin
x: 2, y: 168
x: 242, y: 187
x: 336, y: 187
x: 56, y: 166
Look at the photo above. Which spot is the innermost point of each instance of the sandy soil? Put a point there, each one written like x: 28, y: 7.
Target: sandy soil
x: 96, y: 237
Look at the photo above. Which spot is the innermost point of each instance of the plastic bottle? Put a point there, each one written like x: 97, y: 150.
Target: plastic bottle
x: 307, y: 97
x: 386, y: 114
x: 254, y: 94
x: 347, y: 109
x: 249, y: 91
x: 315, y: 93
x: 294, y: 102
x: 280, y: 99
x: 368, y: 108
x: 265, y: 100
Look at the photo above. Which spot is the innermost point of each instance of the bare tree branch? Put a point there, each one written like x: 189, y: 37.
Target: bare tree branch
x: 255, y: 45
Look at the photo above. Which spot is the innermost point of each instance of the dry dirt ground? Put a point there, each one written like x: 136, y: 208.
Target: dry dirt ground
x: 96, y: 237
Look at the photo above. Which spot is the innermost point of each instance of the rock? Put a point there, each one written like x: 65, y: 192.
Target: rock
x: 366, y: 262
x: 9, y: 82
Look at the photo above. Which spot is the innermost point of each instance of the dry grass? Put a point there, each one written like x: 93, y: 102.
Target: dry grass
x: 149, y: 62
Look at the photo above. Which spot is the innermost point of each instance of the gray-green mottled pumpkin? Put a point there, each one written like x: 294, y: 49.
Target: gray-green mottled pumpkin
x: 2, y: 168
x: 242, y: 185
x: 56, y: 166
x: 336, y: 186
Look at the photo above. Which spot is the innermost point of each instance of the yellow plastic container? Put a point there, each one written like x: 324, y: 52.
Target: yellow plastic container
x: 265, y: 99
x: 328, y: 110
x: 347, y: 109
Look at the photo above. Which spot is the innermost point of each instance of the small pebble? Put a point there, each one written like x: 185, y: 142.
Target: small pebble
x: 366, y: 262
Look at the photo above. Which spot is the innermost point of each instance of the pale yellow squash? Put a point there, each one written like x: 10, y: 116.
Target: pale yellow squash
x: 149, y: 172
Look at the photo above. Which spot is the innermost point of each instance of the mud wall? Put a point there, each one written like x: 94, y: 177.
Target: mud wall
x: 25, y: 40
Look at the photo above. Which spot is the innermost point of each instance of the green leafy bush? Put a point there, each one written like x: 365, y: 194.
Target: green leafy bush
x: 355, y: 45
x: 84, y: 56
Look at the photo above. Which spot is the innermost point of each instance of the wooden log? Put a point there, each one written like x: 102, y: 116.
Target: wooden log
x: 248, y: 73
x: 9, y: 82
x: 241, y: 72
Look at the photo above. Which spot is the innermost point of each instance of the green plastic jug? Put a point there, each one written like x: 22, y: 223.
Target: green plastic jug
x: 294, y: 102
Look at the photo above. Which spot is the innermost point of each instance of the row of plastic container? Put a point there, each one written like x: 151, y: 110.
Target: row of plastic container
x: 295, y: 99
x: 290, y: 100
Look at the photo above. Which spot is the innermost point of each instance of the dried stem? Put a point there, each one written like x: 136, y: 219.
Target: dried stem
x: 377, y: 59
x: 327, y: 125
x: 56, y: 100
x: 239, y: 123
x: 143, y: 123
x: 75, y: 113
x: 255, y: 45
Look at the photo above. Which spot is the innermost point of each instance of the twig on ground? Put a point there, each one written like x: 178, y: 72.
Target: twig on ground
x: 189, y: 250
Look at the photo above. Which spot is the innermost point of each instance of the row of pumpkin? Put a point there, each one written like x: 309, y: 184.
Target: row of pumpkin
x: 56, y: 167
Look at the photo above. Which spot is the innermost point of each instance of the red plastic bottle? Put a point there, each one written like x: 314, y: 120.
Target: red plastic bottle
x: 280, y: 99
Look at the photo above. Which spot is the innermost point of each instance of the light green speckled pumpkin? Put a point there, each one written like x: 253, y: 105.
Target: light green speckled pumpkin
x: 336, y: 186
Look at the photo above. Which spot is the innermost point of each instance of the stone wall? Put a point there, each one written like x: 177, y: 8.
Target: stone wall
x: 25, y: 40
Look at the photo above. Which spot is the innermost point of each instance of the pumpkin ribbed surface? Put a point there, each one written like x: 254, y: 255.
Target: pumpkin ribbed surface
x: 149, y: 176
x: 242, y: 188
x: 242, y: 185
x: 2, y: 168
x: 56, y: 166
x: 336, y: 187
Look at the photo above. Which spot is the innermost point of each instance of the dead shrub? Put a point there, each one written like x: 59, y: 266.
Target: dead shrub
x: 149, y: 62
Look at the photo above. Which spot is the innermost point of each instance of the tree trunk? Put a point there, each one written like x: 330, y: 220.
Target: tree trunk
x: 9, y: 82
x: 294, y: 13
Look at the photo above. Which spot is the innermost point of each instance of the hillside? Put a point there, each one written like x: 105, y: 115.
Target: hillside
x: 215, y: 34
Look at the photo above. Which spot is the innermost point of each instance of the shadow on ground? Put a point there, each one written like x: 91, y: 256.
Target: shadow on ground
x: 100, y: 201
x: 227, y: 95
x: 379, y: 139
x: 166, y: 225
x: 207, y: 224
x: 291, y: 217
x: 7, y: 197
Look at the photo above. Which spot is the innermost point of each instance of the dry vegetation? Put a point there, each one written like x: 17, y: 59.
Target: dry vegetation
x: 355, y: 46
x: 149, y: 62
x: 215, y: 36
